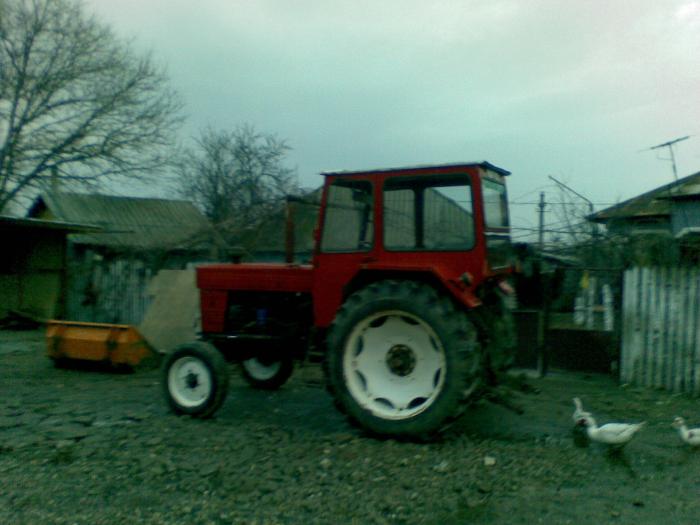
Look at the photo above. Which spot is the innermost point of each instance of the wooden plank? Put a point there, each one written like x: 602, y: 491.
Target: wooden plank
x: 683, y: 320
x: 632, y: 340
x: 667, y: 333
x: 675, y: 301
x: 660, y: 329
x: 642, y: 323
x: 688, y: 328
x: 694, y: 330
x: 686, y: 321
x: 636, y: 327
x: 640, y: 326
x: 652, y: 302
x: 624, y: 353
x: 656, y: 310
x: 645, y: 376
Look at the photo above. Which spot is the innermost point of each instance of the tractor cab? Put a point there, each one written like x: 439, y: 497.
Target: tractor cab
x: 449, y: 223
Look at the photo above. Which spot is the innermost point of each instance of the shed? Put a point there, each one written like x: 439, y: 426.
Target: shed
x: 33, y: 267
x: 109, y: 270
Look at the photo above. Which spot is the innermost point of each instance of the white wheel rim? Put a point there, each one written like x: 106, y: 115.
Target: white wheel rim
x: 259, y: 370
x: 190, y: 382
x: 394, y: 365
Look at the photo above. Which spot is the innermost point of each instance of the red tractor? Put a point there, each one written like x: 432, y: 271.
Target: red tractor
x: 405, y: 300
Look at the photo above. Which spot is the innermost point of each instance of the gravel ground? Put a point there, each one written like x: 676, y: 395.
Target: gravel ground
x: 94, y: 447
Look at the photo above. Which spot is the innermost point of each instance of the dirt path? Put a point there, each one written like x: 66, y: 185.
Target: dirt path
x: 89, y: 447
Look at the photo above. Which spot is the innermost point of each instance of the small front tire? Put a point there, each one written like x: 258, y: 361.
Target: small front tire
x: 195, y: 379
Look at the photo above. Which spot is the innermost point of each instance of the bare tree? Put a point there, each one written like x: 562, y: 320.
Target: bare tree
x: 236, y: 177
x: 76, y: 104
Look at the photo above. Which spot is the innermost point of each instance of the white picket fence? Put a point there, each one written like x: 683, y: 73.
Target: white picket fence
x: 661, y: 328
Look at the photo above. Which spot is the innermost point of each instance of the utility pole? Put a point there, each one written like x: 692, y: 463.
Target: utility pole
x: 545, y: 299
x: 541, y: 206
x: 669, y: 145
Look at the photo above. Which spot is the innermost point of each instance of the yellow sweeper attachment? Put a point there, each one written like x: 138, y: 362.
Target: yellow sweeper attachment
x: 116, y: 344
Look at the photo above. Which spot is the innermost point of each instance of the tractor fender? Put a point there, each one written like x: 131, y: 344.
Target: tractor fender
x: 460, y: 291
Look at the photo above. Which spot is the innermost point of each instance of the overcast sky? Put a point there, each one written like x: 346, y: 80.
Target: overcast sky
x: 574, y: 89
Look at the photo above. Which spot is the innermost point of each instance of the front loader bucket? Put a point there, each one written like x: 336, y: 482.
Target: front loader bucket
x: 115, y: 344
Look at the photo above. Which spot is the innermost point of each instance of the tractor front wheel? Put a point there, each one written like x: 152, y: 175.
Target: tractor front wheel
x: 401, y: 359
x: 195, y: 379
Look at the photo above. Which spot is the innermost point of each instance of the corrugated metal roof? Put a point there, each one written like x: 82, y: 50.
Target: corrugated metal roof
x: 127, y: 222
x: 653, y: 203
x: 21, y: 222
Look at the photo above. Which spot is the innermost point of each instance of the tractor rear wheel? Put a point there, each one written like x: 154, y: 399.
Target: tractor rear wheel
x: 401, y: 359
x: 267, y: 374
x: 195, y: 379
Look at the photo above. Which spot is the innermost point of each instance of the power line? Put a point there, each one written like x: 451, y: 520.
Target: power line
x: 540, y: 188
x: 564, y: 203
x: 546, y: 230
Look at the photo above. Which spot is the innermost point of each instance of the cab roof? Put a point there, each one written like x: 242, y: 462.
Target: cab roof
x: 423, y: 167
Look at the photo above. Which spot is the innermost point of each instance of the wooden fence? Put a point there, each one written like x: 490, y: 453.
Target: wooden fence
x: 108, y: 290
x: 661, y: 328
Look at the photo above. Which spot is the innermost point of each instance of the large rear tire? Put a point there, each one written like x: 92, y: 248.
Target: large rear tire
x: 195, y: 379
x: 401, y: 359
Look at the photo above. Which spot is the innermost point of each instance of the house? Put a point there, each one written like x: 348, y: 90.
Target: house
x: 659, y: 227
x: 109, y: 270
x: 670, y: 210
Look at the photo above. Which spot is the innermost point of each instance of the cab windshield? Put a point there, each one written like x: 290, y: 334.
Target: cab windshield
x: 495, y: 204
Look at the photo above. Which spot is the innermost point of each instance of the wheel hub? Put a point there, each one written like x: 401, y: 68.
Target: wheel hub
x: 192, y: 380
x: 401, y: 360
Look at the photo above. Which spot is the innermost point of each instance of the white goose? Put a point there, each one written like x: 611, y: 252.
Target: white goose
x: 579, y: 413
x: 613, y: 434
x: 690, y: 436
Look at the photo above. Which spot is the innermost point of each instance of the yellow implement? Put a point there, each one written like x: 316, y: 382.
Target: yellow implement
x: 116, y: 344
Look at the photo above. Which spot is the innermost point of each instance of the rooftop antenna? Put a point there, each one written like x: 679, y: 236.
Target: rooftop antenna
x: 669, y: 145
x: 671, y: 188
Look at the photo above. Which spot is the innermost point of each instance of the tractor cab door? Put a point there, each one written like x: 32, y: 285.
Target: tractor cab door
x: 346, y: 242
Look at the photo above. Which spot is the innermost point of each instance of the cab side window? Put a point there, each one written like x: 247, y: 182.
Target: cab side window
x: 349, y: 217
x: 428, y: 213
